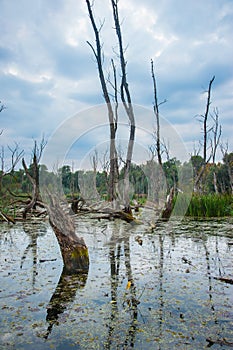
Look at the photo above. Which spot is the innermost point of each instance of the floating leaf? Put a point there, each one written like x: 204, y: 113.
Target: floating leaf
x: 128, y: 285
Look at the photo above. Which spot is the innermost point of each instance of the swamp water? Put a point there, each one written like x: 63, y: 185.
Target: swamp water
x: 145, y: 289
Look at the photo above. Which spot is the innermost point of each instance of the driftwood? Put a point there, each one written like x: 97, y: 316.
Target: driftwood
x: 114, y: 214
x: 123, y: 215
x: 224, y: 279
x: 102, y: 212
x: 218, y: 341
x: 73, y: 249
x: 7, y: 218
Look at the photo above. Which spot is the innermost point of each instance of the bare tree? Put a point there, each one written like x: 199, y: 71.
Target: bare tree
x: 33, y: 176
x: 205, y: 121
x: 111, y: 117
x: 217, y: 132
x: 94, y: 163
x: 15, y: 156
x: 157, y: 118
x: 206, y: 131
x: 127, y: 103
x: 125, y: 99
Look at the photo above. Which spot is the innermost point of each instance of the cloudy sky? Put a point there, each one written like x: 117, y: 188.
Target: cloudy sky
x: 48, y: 73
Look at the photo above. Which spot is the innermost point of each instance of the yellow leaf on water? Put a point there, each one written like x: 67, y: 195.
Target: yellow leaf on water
x: 128, y: 285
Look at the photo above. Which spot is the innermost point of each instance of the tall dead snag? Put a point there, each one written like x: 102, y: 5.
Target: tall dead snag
x: 127, y: 103
x: 73, y: 249
x: 205, y: 137
x: 217, y: 132
x: 205, y: 119
x: 111, y: 117
x: 156, y: 112
x: 33, y: 177
x: 158, y: 143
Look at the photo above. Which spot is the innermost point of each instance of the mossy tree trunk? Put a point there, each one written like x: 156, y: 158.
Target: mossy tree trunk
x: 73, y: 248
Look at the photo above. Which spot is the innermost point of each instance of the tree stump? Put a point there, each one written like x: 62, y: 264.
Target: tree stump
x: 166, y: 213
x: 73, y: 248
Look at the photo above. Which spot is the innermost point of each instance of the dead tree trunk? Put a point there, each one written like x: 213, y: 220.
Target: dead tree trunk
x: 157, y: 134
x: 205, y: 138
x: 169, y: 205
x: 205, y: 117
x: 111, y: 117
x: 127, y: 103
x: 73, y: 249
x: 34, y: 179
x: 156, y: 112
x: 217, y: 131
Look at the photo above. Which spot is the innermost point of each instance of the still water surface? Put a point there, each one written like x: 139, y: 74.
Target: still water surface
x: 145, y: 289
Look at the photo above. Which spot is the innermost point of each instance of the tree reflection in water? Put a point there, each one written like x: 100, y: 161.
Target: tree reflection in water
x: 121, y: 244
x: 68, y: 284
x: 33, y: 231
x: 63, y: 296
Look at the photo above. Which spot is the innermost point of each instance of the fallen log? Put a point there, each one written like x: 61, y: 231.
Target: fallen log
x: 106, y: 215
x: 221, y: 342
x: 73, y: 248
x: 7, y: 218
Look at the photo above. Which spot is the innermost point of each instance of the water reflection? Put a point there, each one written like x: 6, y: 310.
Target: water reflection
x: 160, y: 294
x: 33, y: 231
x: 120, y: 246
x: 63, y: 296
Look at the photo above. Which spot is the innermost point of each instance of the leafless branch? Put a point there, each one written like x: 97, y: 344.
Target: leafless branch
x: 2, y: 106
x: 15, y: 156
x: 224, y: 148
x: 38, y: 150
x: 156, y: 112
x: 217, y: 132
x: 206, y: 119
x: 94, y: 160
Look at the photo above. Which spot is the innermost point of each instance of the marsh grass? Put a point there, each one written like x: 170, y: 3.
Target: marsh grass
x: 209, y: 205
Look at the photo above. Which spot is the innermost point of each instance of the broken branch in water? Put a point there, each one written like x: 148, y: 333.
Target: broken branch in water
x: 224, y: 279
x: 45, y: 260
x: 218, y: 341
x: 186, y: 261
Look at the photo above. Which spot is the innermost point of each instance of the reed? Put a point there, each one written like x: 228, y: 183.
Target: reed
x: 210, y: 205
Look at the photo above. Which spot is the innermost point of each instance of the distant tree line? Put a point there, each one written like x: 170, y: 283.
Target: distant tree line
x: 18, y: 182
